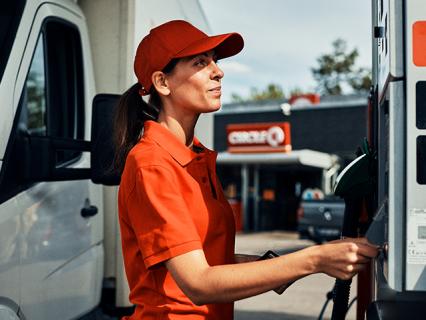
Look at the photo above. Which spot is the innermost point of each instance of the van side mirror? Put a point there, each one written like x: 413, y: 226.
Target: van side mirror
x: 39, y: 162
x: 102, y: 150
x: 38, y: 154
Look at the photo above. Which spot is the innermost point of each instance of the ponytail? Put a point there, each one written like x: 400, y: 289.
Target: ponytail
x: 131, y: 113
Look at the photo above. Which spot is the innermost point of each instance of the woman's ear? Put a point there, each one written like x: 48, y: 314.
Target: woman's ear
x: 159, y: 81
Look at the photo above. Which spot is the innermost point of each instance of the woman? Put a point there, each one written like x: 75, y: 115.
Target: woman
x: 177, y: 228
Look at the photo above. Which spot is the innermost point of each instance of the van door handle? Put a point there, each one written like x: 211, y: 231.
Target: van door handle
x: 89, y: 211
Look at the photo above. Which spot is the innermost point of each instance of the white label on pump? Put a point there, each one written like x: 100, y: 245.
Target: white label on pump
x: 416, y: 236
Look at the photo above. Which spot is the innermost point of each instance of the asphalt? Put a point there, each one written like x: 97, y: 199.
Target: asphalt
x: 301, y: 301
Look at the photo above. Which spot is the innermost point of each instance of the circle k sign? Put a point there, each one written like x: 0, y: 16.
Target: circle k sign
x: 259, y: 137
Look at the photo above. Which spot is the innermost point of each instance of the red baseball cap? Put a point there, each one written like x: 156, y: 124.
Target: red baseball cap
x: 178, y: 39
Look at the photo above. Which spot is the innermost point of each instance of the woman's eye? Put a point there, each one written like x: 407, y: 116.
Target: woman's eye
x: 201, y: 62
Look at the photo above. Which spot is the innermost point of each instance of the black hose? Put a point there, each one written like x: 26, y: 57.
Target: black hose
x: 329, y: 297
x: 341, y: 293
x: 324, y: 307
x: 351, y: 303
x: 342, y: 288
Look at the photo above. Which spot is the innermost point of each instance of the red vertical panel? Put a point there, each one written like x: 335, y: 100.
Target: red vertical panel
x: 419, y: 43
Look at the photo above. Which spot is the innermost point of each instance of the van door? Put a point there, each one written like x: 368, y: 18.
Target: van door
x: 61, y: 253
x: 10, y: 218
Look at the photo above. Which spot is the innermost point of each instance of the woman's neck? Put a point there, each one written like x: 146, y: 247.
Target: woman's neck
x: 182, y: 127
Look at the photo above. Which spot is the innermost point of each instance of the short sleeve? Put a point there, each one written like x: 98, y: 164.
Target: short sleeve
x: 160, y: 217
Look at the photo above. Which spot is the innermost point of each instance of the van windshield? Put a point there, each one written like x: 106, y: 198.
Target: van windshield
x: 10, y: 16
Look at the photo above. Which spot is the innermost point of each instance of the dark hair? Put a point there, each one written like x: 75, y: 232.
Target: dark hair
x: 131, y: 113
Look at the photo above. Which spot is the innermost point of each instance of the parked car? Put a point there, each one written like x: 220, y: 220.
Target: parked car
x: 320, y: 218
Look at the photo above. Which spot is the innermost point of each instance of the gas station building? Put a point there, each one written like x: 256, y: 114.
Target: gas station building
x: 269, y: 152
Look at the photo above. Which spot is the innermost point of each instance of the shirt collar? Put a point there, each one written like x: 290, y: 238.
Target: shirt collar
x: 169, y: 142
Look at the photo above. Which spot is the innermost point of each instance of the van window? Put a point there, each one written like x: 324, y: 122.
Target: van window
x: 65, y: 89
x: 61, y: 87
x: 33, y: 116
x: 51, y: 103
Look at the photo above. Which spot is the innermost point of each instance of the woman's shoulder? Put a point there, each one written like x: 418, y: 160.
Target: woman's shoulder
x: 148, y: 153
x: 144, y: 156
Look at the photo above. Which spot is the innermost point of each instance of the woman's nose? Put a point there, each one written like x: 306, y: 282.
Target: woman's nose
x: 217, y: 72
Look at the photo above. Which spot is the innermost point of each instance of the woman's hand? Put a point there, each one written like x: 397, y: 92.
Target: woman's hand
x: 344, y: 258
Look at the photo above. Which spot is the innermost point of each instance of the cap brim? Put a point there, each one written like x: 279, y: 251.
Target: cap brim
x: 225, y: 45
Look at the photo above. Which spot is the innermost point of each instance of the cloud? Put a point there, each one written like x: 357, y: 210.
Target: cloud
x: 234, y: 67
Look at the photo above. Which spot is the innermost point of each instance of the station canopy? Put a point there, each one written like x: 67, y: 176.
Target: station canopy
x: 305, y: 157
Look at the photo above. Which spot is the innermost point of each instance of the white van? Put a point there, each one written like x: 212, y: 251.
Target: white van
x: 51, y: 252
x: 51, y: 215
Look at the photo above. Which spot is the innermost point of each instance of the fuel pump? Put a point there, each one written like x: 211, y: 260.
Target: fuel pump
x: 399, y: 130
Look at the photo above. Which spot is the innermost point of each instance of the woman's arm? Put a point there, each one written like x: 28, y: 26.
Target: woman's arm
x: 205, y: 284
x: 243, y: 258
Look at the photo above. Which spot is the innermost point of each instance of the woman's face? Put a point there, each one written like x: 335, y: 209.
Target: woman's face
x: 195, y: 84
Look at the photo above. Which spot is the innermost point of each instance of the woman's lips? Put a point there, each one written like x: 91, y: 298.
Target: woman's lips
x: 216, y: 91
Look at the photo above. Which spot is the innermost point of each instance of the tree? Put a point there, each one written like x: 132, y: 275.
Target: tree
x: 271, y: 92
x: 296, y: 91
x: 337, y: 69
x: 236, y: 98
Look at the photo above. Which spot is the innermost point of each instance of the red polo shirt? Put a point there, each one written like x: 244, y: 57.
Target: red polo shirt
x: 171, y: 202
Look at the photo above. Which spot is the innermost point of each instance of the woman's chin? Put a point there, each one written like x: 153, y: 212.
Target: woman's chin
x: 215, y: 107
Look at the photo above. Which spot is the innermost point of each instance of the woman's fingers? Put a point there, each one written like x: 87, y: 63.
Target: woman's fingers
x: 362, y: 240
x: 367, y: 250
x: 349, y: 271
x: 362, y: 259
x: 361, y: 246
x: 345, y: 258
x: 352, y: 270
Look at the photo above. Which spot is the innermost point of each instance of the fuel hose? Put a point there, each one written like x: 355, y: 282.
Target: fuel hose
x: 341, y: 291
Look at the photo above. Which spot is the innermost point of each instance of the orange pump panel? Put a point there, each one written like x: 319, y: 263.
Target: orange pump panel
x: 419, y: 43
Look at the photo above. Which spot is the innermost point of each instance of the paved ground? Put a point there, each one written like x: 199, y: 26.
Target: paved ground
x: 302, y: 301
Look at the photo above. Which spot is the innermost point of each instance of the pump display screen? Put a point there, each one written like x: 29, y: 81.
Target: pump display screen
x: 421, y: 232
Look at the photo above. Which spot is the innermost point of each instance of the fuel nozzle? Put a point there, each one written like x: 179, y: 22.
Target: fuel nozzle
x: 357, y: 179
x: 355, y: 184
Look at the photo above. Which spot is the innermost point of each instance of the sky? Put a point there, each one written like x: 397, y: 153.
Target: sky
x: 283, y: 39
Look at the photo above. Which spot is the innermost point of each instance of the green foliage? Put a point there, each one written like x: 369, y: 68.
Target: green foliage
x: 337, y: 69
x: 271, y: 92
x: 236, y: 98
x: 362, y: 82
x: 296, y: 91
